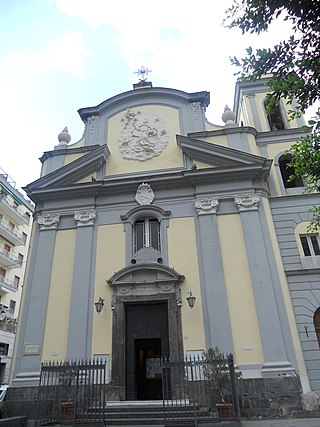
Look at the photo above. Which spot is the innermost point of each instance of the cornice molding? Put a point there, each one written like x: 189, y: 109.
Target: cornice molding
x: 67, y: 151
x: 167, y: 180
x: 72, y: 172
x: 223, y: 131
x: 215, y: 154
x: 149, y: 94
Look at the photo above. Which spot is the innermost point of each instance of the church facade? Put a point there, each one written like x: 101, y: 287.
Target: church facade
x: 159, y: 233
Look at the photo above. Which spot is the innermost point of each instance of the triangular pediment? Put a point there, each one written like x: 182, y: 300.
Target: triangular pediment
x: 74, y: 172
x: 217, y: 155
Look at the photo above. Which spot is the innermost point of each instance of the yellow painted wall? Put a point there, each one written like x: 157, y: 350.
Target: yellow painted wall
x: 182, y: 256
x: 77, y: 144
x: 201, y: 165
x: 253, y: 147
x: 87, y: 178
x: 243, y: 316
x: 219, y: 140
x: 170, y: 157
x: 57, y: 321
x: 210, y: 126
x: 110, y: 258
x: 69, y: 158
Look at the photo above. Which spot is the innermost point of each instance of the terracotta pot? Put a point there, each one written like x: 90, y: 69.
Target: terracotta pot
x: 67, y: 410
x: 225, y: 410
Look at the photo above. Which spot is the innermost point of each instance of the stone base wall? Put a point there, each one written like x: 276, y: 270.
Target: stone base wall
x: 21, y: 401
x: 258, y: 398
x: 270, y: 397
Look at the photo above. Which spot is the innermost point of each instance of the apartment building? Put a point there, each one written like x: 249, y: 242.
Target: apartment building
x: 15, y: 228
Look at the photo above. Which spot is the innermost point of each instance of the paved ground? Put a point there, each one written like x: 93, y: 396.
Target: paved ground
x: 296, y: 422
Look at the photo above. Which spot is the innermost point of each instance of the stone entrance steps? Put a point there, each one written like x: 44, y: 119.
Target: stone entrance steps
x: 146, y: 413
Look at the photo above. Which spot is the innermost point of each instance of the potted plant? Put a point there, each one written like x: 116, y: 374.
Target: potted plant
x: 215, y: 369
x: 67, y: 381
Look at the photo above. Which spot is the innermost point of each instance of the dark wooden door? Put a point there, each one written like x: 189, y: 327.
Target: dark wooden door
x: 147, y: 340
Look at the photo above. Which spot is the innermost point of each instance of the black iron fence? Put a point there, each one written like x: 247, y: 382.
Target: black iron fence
x: 72, y: 392
x: 195, y: 390
x: 198, y: 389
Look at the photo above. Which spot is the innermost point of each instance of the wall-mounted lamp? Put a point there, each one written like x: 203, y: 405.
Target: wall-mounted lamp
x: 191, y: 300
x: 99, y: 305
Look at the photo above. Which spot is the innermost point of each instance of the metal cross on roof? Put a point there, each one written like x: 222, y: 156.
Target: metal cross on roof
x: 142, y: 73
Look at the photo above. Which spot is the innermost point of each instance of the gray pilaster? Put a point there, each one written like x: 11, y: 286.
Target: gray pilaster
x: 254, y: 111
x: 238, y: 141
x: 283, y: 315
x: 214, y: 296
x: 81, y: 305
x: 274, y: 351
x: 28, y: 359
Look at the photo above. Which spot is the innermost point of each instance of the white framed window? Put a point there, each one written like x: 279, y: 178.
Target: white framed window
x: 310, y: 244
x: 146, y: 233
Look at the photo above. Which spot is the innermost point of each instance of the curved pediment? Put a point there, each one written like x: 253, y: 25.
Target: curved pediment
x: 145, y: 273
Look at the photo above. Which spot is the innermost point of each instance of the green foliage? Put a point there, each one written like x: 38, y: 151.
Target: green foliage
x: 294, y: 68
x: 306, y: 163
x: 294, y: 63
x: 215, y: 369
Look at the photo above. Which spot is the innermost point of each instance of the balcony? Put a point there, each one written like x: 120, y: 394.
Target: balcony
x: 7, y: 285
x: 9, y: 233
x: 15, y: 213
x: 8, y: 259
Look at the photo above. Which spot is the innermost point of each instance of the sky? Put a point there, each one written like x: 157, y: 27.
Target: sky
x: 57, y: 56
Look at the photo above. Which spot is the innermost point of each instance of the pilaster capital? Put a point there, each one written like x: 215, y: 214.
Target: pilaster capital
x: 206, y: 206
x: 247, y: 202
x: 85, y: 217
x: 48, y: 221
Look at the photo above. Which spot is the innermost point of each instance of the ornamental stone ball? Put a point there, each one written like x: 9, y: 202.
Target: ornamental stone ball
x: 64, y: 136
x: 228, y: 116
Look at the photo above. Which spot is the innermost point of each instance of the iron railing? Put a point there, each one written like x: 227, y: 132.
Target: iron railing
x: 72, y: 392
x: 192, y: 393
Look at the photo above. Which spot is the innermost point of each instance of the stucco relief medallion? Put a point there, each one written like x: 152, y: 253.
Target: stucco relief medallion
x: 48, y: 221
x: 144, y: 195
x: 207, y: 206
x: 247, y: 202
x: 143, y: 136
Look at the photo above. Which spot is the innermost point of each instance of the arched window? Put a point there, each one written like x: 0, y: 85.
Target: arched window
x: 275, y: 118
x: 316, y: 322
x: 147, y: 234
x: 287, y: 171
